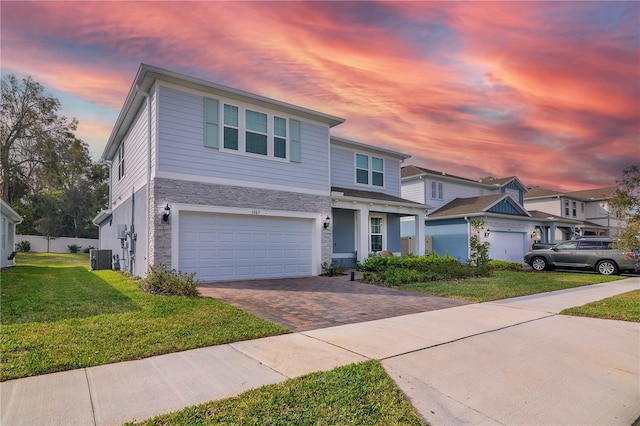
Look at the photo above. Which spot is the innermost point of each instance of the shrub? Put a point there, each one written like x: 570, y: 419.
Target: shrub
x: 336, y: 268
x: 169, y: 282
x: 74, y: 248
x: 411, y: 269
x: 24, y: 246
x: 88, y: 249
x: 503, y: 265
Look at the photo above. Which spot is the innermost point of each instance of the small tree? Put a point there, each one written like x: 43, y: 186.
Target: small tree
x: 479, y: 255
x: 626, y: 201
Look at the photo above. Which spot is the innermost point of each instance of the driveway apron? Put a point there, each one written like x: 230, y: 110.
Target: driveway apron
x: 310, y: 303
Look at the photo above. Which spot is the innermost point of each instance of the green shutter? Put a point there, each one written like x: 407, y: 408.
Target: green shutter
x: 294, y: 127
x: 210, y: 122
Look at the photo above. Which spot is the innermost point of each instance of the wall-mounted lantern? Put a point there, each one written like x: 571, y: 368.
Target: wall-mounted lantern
x: 327, y: 222
x: 166, y: 213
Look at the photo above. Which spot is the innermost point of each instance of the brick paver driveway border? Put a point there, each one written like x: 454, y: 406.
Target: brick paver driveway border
x: 309, y: 303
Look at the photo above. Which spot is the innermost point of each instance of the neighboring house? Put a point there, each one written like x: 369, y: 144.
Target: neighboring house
x: 366, y: 203
x: 498, y: 204
x: 232, y: 185
x: 589, y: 210
x: 8, y: 221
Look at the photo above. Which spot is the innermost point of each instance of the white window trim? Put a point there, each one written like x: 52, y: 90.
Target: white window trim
x: 370, y: 171
x: 439, y: 195
x: 383, y: 232
x: 242, y: 132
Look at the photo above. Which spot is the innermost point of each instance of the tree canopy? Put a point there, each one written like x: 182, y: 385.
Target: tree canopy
x: 46, y: 172
x: 626, y: 201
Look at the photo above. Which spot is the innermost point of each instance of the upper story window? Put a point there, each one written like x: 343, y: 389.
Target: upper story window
x: 121, y: 161
x: 369, y: 170
x: 574, y: 208
x: 251, y: 132
x: 437, y: 192
x: 566, y: 207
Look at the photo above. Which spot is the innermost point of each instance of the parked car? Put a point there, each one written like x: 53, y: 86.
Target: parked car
x: 538, y: 246
x: 594, y: 254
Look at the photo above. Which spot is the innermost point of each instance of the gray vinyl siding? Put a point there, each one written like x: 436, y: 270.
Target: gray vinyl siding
x: 343, y: 170
x: 450, y: 237
x: 413, y: 190
x: 393, y: 233
x: 181, y: 148
x: 122, y: 215
x: 135, y: 159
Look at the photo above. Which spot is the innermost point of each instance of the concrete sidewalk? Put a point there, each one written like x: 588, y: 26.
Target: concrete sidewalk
x: 513, y: 361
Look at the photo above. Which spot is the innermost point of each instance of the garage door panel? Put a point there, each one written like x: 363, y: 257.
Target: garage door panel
x: 227, y: 247
x: 506, y: 246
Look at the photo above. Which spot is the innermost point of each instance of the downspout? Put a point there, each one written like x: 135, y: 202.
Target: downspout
x: 148, y: 211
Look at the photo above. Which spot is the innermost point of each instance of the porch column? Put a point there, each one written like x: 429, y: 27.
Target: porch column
x: 419, y: 233
x: 552, y: 232
x: 362, y: 242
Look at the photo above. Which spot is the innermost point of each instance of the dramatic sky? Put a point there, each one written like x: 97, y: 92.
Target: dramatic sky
x: 546, y: 91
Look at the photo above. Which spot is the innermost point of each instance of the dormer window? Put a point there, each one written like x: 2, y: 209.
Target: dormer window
x: 369, y: 170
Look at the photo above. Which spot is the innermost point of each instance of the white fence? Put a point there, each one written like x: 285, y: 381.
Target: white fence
x: 56, y: 245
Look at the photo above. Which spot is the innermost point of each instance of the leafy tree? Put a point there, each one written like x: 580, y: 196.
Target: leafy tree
x: 479, y: 250
x: 30, y: 131
x: 626, y: 201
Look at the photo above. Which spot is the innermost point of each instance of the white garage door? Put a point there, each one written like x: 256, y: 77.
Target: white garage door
x: 221, y: 247
x: 506, y: 246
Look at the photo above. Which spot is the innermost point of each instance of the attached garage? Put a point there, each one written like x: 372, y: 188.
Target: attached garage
x: 219, y: 247
x: 506, y: 246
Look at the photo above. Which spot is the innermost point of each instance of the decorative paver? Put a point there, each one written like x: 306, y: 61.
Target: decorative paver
x: 309, y: 303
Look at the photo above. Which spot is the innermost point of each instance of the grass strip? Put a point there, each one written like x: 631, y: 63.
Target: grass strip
x: 356, y: 394
x: 624, y: 307
x: 506, y: 284
x: 56, y: 315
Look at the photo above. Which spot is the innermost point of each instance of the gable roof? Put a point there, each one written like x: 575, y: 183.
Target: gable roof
x: 505, y: 181
x: 411, y: 170
x: 146, y: 78
x: 347, y: 143
x: 494, y: 203
x: 594, y: 194
x: 584, y: 195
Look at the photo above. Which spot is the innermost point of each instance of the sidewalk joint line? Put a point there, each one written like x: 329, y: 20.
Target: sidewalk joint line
x: 466, y: 337
x: 93, y: 410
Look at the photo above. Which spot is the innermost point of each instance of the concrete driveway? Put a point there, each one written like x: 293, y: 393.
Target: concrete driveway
x: 310, y: 303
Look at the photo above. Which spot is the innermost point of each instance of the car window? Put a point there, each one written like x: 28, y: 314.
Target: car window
x: 607, y: 245
x: 569, y: 245
x: 590, y: 245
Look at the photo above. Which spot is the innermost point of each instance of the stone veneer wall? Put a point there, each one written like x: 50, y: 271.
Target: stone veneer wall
x: 178, y: 191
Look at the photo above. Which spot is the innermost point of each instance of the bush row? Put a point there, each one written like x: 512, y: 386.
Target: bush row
x: 169, y: 282
x: 393, y: 271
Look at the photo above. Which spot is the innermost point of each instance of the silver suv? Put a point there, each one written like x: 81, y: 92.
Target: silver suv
x: 594, y: 254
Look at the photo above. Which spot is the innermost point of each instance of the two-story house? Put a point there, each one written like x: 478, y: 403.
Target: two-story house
x: 496, y: 203
x: 590, y: 208
x: 232, y: 185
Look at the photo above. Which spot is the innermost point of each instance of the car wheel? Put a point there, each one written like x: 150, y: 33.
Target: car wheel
x: 538, y: 264
x: 607, y: 267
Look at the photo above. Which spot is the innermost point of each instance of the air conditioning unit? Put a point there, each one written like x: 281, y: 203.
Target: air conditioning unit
x: 100, y: 259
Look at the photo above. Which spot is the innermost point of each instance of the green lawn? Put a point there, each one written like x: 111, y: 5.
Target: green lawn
x: 357, y: 394
x: 505, y: 284
x: 56, y: 315
x: 625, y: 307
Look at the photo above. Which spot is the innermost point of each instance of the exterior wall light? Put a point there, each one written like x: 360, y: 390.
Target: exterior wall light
x: 166, y: 213
x: 327, y: 222
x: 487, y: 233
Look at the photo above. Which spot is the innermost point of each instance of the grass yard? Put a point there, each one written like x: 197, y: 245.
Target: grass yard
x: 625, y: 307
x: 56, y: 315
x: 357, y: 394
x: 505, y: 284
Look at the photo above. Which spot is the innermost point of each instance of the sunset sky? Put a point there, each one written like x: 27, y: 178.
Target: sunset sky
x: 546, y: 91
